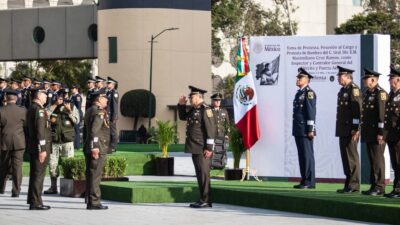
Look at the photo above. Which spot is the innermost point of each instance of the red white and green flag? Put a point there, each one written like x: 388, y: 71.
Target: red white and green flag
x: 245, y: 99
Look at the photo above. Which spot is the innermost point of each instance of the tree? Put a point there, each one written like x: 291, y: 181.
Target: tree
x: 67, y: 72
x: 245, y: 17
x: 135, y: 103
x: 227, y: 86
x: 372, y: 23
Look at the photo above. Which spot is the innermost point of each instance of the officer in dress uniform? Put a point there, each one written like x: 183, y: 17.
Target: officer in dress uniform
x: 113, y: 96
x: 304, y: 112
x: 36, y: 83
x: 39, y: 147
x: 200, y: 135
x: 12, y: 122
x: 392, y: 129
x: 348, y: 128
x: 100, y: 83
x: 3, y: 85
x: 49, y: 92
x: 372, y: 130
x: 76, y: 99
x: 55, y: 87
x: 91, y: 88
x: 221, y: 140
x: 14, y: 85
x: 26, y: 96
x: 97, y: 139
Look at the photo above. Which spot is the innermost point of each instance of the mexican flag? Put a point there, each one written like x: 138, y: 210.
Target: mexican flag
x: 245, y: 99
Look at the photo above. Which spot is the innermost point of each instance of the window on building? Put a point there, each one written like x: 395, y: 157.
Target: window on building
x: 112, y: 50
x: 357, y: 2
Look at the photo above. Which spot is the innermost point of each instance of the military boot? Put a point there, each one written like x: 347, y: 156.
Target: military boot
x: 53, y: 187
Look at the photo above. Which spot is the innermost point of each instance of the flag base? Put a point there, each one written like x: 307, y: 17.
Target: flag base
x: 247, y: 173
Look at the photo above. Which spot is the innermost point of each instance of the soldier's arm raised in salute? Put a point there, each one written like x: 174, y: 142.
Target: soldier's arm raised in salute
x: 182, y: 108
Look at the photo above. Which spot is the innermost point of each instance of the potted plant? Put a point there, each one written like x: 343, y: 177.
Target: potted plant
x: 237, y: 148
x: 165, y: 134
x: 73, y: 183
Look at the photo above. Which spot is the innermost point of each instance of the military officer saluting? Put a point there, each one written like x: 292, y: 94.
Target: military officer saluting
x: 348, y: 128
x: 97, y: 139
x: 392, y: 128
x: 304, y: 112
x: 200, y: 135
x: 372, y: 130
x: 113, y: 96
x: 39, y: 147
x: 222, y: 121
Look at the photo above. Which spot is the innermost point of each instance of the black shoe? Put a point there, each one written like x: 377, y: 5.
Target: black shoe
x: 347, y: 191
x: 301, y: 186
x: 39, y: 207
x: 15, y: 195
x: 51, y: 191
x: 96, y: 207
x: 393, y: 194
x: 373, y: 192
x: 200, y: 205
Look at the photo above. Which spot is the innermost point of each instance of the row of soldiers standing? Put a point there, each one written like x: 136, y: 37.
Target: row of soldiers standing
x: 46, y: 121
x: 374, y: 115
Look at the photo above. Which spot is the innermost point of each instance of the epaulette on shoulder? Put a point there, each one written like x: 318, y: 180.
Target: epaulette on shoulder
x: 206, y: 106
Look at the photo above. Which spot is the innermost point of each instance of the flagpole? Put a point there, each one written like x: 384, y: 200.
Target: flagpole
x: 248, y: 164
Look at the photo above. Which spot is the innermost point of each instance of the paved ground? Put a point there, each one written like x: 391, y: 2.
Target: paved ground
x: 71, y: 211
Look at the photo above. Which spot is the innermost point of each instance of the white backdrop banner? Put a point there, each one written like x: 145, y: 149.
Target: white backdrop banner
x: 274, y: 62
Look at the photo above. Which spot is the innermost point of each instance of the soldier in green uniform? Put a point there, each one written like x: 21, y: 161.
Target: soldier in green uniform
x: 221, y: 139
x: 372, y: 130
x: 97, y: 141
x: 63, y: 117
x: 39, y: 147
x: 12, y: 123
x: 200, y: 135
x: 392, y: 129
x: 348, y: 128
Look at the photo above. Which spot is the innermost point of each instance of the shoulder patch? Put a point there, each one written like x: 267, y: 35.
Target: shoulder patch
x: 78, y: 99
x: 383, y: 96
x: 41, y: 113
x: 310, y: 95
x: 209, y: 112
x: 50, y: 95
x: 356, y: 92
x: 101, y: 114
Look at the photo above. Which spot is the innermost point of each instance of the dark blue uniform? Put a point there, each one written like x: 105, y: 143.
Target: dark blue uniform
x: 2, y: 97
x: 76, y: 99
x: 304, y: 112
x: 54, y: 97
x: 49, y: 94
x: 112, y: 108
x: 26, y: 96
x: 19, y: 97
x: 89, y: 100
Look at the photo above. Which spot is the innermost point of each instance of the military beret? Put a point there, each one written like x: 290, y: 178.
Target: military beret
x: 370, y: 73
x: 394, y: 72
x: 216, y: 96
x: 344, y: 70
x: 195, y: 90
x: 303, y: 72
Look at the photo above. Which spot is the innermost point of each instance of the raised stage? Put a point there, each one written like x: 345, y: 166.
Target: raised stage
x: 322, y: 201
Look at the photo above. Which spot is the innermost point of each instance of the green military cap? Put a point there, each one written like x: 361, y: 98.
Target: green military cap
x: 394, y: 72
x: 302, y: 72
x: 217, y: 96
x: 195, y: 90
x: 370, y: 73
